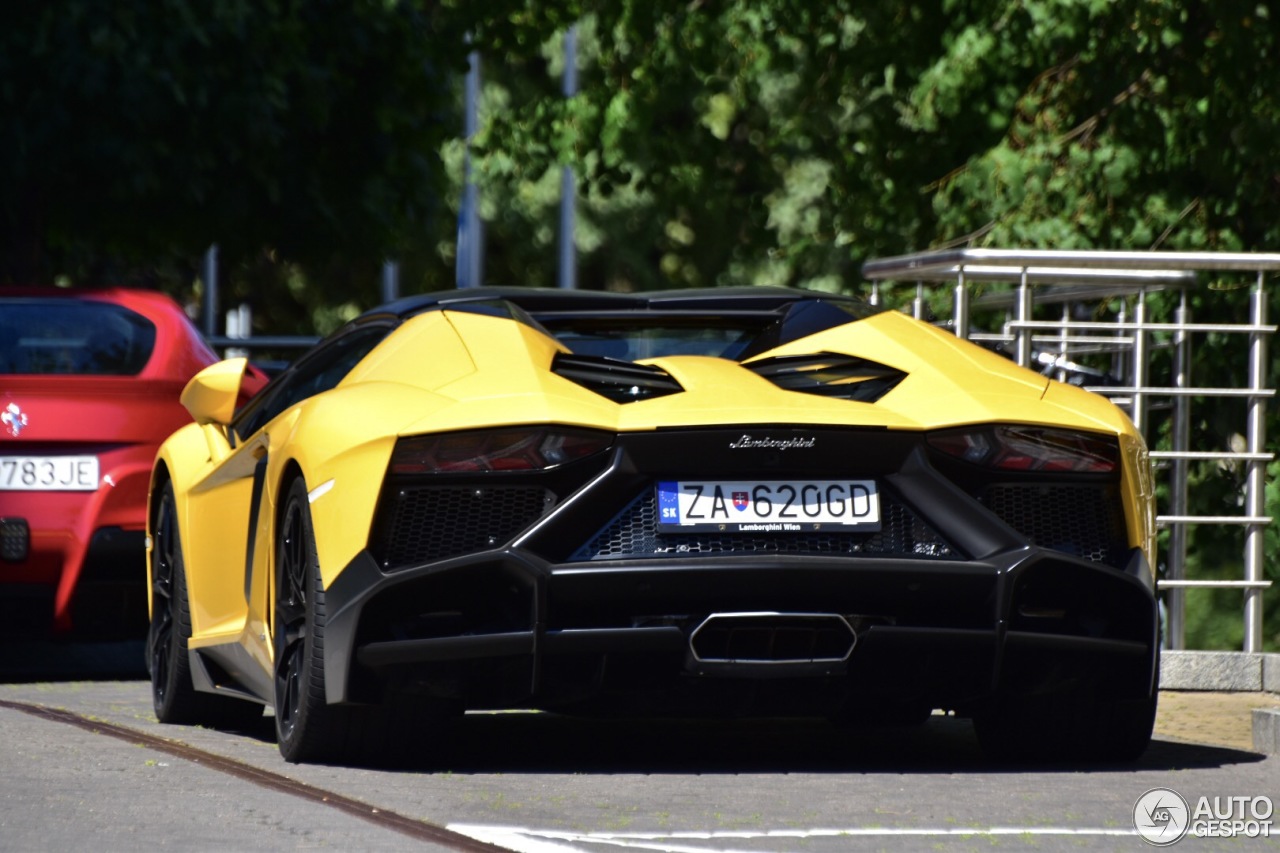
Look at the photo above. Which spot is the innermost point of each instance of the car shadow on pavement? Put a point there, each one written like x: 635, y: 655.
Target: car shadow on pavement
x: 519, y: 742
x: 26, y: 661
x: 532, y: 742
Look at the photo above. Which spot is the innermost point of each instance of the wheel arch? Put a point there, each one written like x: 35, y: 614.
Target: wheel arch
x: 290, y: 472
x: 160, y: 477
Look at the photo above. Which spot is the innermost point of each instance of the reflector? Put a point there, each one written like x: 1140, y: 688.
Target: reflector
x: 1019, y: 448
x: 513, y: 449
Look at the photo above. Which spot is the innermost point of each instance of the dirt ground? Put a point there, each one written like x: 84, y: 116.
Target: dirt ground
x: 1219, y: 719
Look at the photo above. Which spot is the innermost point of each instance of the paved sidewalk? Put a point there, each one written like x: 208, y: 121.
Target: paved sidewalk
x: 1208, y: 717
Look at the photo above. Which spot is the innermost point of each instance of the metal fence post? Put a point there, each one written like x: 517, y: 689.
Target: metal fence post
x: 960, y: 305
x: 1255, y: 484
x: 1175, y: 597
x: 470, y: 260
x: 1024, y: 316
x: 390, y: 281
x: 568, y: 278
x: 209, y: 309
x: 1138, y: 402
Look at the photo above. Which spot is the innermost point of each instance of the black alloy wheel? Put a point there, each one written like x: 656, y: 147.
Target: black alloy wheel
x: 307, y: 727
x: 164, y: 644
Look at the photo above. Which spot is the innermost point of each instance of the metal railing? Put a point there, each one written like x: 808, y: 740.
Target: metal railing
x: 1034, y: 279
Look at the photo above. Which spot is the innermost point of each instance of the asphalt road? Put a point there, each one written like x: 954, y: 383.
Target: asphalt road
x: 84, y: 765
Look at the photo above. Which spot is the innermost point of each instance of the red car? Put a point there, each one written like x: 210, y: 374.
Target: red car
x: 89, y: 386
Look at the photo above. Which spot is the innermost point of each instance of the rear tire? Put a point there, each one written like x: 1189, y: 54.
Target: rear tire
x: 307, y: 727
x: 173, y: 695
x: 1067, y: 729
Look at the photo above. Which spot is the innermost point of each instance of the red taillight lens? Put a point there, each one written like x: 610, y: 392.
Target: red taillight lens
x: 1019, y: 448
x: 514, y: 449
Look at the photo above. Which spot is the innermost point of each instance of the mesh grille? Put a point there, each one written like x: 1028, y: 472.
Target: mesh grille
x: 1082, y: 520
x: 437, y: 522
x: 634, y: 534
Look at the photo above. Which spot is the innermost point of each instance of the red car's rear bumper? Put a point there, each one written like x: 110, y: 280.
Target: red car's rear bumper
x: 83, y: 564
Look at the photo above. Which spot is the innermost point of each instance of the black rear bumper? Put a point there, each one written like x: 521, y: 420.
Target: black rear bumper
x: 562, y: 591
x: 618, y: 636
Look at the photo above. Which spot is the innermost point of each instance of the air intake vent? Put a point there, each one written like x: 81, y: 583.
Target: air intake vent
x: 1083, y: 520
x: 829, y: 375
x: 618, y: 380
x: 437, y: 522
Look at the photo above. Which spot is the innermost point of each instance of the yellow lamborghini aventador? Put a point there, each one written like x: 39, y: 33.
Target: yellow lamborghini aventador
x: 730, y: 501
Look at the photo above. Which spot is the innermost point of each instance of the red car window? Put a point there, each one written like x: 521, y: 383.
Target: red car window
x: 82, y: 337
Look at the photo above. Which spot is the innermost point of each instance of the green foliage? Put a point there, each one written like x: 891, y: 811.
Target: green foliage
x: 302, y: 138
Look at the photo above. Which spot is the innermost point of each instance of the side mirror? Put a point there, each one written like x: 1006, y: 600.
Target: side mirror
x: 212, y: 394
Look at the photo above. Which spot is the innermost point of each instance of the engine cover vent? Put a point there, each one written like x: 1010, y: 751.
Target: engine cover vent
x: 618, y: 380
x: 844, y: 377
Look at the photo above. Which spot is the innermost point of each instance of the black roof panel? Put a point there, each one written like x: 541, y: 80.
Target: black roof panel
x: 536, y: 300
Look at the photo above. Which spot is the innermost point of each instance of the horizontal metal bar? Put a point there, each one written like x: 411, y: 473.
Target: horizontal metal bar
x: 1079, y: 278
x: 1224, y: 455
x: 942, y: 264
x: 1119, y: 343
x: 1058, y: 293
x: 1213, y: 519
x: 1126, y: 326
x: 1166, y: 391
x: 1180, y: 584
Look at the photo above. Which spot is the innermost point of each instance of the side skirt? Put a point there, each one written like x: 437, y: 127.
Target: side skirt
x: 228, y: 670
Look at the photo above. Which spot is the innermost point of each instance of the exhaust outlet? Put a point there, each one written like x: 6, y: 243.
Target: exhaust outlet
x: 768, y: 643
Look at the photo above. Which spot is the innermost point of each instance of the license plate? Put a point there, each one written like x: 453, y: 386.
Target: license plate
x: 768, y: 506
x: 48, y: 473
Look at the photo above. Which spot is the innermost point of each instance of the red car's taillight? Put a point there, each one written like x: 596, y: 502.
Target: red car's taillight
x: 1025, y: 448
x: 511, y: 449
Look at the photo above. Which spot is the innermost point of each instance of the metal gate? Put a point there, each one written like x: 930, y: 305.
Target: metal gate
x: 1035, y: 297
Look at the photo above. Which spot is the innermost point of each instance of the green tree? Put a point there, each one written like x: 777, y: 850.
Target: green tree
x: 301, y: 137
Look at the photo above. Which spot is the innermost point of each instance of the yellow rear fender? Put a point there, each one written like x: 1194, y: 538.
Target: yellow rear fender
x: 1075, y: 406
x: 343, y: 492
x: 342, y: 447
x: 1139, y: 496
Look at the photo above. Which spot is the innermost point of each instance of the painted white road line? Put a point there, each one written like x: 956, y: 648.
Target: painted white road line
x: 526, y: 840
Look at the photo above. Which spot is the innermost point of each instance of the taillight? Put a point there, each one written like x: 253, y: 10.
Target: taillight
x: 1023, y: 448
x: 511, y: 449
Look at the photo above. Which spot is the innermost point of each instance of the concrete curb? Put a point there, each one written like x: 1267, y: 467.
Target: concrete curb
x: 1266, y: 731
x: 1229, y: 672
